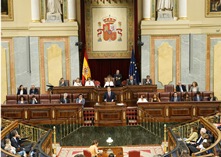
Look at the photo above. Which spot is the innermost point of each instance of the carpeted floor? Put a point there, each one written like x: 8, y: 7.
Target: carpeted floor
x: 145, y: 151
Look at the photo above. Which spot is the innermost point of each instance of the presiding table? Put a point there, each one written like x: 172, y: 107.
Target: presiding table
x: 93, y: 94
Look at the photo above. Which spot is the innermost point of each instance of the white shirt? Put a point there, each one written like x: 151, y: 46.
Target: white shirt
x: 142, y: 100
x: 89, y: 83
x: 109, y: 84
x: 77, y: 84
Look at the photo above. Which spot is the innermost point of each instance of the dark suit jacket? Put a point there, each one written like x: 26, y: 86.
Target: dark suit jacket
x: 35, y: 91
x: 63, y: 84
x: 109, y: 98
x: 118, y: 81
x: 178, y: 99
x: 63, y: 101
x: 178, y: 88
x: 30, y: 102
x: 15, y: 143
x: 24, y: 91
x: 213, y: 99
x: 195, y: 98
x: 129, y: 83
x: 145, y: 82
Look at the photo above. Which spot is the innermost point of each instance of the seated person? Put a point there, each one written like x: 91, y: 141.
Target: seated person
x: 148, y: 80
x: 194, y: 87
x: 22, y: 100
x: 142, y: 99
x: 193, y: 135
x: 33, y: 90
x: 94, y: 148
x: 175, y: 98
x: 131, y: 81
x: 65, y: 99
x: 180, y: 87
x: 16, y: 142
x: 118, y: 78
x: 33, y: 100
x: 80, y: 100
x: 89, y: 82
x: 155, y: 98
x: 109, y: 96
x: 212, y: 97
x: 109, y: 83
x: 200, y: 147
x: 186, y: 97
x: 11, y: 149
x: 21, y: 90
x: 62, y: 83
x: 111, y: 155
x: 77, y: 82
x: 197, y: 97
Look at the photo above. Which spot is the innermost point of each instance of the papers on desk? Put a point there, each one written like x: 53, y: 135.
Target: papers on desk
x: 120, y: 104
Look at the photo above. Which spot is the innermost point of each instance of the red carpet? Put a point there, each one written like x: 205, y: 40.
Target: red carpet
x: 145, y: 151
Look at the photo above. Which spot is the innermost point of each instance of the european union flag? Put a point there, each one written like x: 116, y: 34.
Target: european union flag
x: 133, y: 68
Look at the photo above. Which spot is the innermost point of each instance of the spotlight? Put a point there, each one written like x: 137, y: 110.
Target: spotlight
x: 78, y: 44
x: 140, y: 43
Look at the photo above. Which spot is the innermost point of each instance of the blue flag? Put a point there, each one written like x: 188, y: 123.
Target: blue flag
x: 133, y: 68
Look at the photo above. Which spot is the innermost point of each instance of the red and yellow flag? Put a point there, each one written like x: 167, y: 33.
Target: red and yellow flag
x: 86, y: 72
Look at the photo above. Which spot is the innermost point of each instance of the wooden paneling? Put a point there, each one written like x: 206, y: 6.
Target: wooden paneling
x: 42, y: 113
x: 110, y: 115
x: 178, y: 111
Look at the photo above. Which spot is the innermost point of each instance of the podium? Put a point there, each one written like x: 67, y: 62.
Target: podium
x: 110, y: 114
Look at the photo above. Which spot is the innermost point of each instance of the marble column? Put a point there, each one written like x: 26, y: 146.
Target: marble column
x: 35, y: 11
x: 182, y: 9
x: 71, y: 10
x: 146, y: 9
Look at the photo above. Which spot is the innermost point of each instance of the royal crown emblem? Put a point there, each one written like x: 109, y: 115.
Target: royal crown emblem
x: 109, y: 29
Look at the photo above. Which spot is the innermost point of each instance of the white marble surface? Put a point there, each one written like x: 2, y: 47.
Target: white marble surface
x: 145, y: 57
x: 22, y: 61
x: 74, y: 59
x: 35, y: 65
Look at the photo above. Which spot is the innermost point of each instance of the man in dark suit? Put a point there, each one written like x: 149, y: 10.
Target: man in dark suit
x: 131, y: 81
x: 33, y: 90
x: 180, y: 87
x: 147, y: 81
x: 65, y: 99
x: 118, y: 78
x: 109, y: 96
x: 16, y: 142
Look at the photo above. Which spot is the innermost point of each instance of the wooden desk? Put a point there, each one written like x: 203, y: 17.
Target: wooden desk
x: 118, y: 151
x: 178, y: 111
x: 42, y: 113
x: 110, y: 115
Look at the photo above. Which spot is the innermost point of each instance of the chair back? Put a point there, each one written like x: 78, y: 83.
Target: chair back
x: 169, y: 88
x: 124, y: 82
x: 97, y: 84
x: 67, y: 82
x: 134, y: 153
x: 87, y: 153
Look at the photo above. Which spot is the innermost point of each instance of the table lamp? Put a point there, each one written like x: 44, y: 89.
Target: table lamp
x: 109, y: 142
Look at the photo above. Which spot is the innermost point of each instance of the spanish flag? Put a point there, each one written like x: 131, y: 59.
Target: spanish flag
x: 86, y: 72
